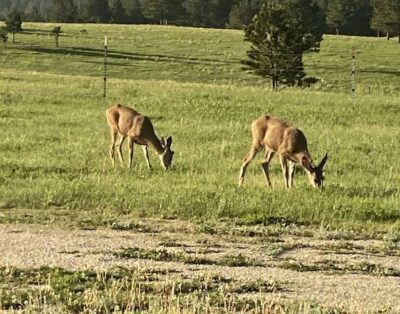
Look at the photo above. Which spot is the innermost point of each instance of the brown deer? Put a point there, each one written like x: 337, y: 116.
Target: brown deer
x: 138, y: 128
x: 276, y: 136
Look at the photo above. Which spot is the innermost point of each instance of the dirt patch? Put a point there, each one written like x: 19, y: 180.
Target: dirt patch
x: 298, y: 263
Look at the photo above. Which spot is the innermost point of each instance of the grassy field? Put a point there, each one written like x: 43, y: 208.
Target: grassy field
x: 54, y: 166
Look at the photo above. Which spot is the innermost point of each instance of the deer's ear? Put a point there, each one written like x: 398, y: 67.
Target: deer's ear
x: 169, y: 141
x: 307, y: 164
x: 162, y: 141
x: 323, y: 161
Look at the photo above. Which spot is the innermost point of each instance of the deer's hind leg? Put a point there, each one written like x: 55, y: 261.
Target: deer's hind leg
x: 265, y: 165
x: 249, y: 157
x: 112, y: 146
x: 119, y: 147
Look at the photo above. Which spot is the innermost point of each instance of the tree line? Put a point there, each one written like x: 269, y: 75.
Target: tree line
x: 350, y: 17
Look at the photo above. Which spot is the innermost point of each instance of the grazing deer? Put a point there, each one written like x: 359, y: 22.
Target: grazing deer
x: 129, y: 123
x: 290, y: 143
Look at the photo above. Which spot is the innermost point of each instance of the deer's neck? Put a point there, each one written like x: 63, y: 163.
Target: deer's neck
x: 155, y: 143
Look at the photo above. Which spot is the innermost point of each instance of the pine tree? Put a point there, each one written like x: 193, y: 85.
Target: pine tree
x: 279, y: 35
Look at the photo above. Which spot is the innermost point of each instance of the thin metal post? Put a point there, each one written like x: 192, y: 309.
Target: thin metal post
x: 353, y: 73
x: 105, y: 66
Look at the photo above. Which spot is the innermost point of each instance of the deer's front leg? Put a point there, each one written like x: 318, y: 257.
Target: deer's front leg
x: 265, y: 165
x: 146, y: 155
x: 285, y: 169
x: 130, y: 144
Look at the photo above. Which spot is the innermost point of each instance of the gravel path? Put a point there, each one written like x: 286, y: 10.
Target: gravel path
x: 351, y: 288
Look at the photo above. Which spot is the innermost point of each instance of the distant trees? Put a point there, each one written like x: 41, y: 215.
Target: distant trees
x: 63, y: 11
x: 352, y: 17
x: 34, y: 15
x: 118, y: 14
x: 96, y: 11
x: 279, y: 34
x: 386, y: 17
x: 243, y: 12
x: 134, y: 13
x: 339, y: 13
x: 199, y: 12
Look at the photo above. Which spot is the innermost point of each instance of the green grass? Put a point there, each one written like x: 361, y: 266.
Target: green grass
x: 54, y: 165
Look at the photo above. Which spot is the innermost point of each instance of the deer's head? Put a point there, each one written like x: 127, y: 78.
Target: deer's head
x: 315, y: 173
x: 166, y: 157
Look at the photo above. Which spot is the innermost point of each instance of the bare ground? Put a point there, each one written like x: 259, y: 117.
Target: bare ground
x: 358, y: 276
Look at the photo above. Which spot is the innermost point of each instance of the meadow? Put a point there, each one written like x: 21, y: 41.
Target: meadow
x: 54, y: 164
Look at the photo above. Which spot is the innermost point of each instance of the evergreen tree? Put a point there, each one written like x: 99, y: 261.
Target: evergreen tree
x: 279, y: 35
x: 243, y: 12
x: 97, y: 11
x: 339, y: 13
x: 63, y: 11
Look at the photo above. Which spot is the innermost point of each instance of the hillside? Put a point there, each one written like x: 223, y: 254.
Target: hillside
x: 194, y: 55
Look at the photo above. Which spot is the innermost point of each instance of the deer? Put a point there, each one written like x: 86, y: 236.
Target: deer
x: 128, y: 123
x: 277, y: 136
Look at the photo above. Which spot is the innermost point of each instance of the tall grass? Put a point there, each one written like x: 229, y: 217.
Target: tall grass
x: 55, y: 153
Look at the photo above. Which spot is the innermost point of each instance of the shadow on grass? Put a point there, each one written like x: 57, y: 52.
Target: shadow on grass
x: 114, y: 54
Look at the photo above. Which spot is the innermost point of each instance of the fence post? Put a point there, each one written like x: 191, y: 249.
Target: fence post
x: 353, y: 73
x: 105, y: 67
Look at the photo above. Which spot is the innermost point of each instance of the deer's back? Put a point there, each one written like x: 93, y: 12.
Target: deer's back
x: 129, y: 122
x: 278, y: 135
